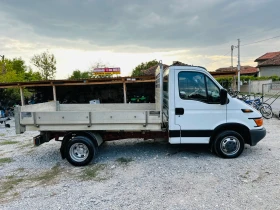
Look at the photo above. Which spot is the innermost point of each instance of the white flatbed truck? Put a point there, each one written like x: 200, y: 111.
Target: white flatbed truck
x: 191, y: 108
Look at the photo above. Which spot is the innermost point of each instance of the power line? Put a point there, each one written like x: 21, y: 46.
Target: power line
x: 264, y: 30
x: 227, y: 53
x: 261, y: 40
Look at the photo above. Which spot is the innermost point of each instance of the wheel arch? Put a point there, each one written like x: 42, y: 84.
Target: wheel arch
x: 243, y: 130
x: 93, y: 136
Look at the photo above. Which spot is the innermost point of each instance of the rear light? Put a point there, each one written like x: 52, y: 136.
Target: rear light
x: 259, y: 122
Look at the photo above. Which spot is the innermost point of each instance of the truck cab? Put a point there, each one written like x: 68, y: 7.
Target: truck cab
x: 198, y: 110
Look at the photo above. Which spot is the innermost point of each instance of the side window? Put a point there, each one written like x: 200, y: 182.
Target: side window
x: 192, y: 86
x: 213, y: 91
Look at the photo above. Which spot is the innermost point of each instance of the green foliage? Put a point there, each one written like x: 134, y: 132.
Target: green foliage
x: 46, y: 63
x: 15, y: 70
x: 252, y: 78
x: 138, y: 70
x: 32, y: 76
x: 226, y: 81
x: 77, y: 74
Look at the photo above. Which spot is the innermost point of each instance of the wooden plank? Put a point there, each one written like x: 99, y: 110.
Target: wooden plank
x: 22, y: 96
x: 78, y: 83
x: 54, y: 93
x: 124, y: 92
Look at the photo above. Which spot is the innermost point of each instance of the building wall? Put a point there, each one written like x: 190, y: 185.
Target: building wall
x: 269, y: 71
x: 255, y: 86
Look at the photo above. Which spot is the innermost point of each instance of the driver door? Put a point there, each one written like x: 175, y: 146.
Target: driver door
x: 197, y: 106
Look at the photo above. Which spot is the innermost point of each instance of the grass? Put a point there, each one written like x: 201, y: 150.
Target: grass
x: 26, y: 145
x: 92, y: 172
x: 124, y: 161
x: 5, y: 160
x: 8, y: 142
x: 47, y: 176
x: 10, y: 183
x: 2, y: 134
x: 20, y: 170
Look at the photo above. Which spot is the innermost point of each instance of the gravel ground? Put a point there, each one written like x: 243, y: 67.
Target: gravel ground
x: 136, y: 174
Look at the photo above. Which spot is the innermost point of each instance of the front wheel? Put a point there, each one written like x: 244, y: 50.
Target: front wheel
x: 266, y: 111
x: 80, y: 151
x: 228, y: 144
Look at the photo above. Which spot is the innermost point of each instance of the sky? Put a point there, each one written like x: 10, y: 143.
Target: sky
x: 124, y: 33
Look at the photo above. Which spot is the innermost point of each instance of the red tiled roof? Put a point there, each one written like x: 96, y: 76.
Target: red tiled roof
x: 275, y: 61
x: 243, y: 70
x: 267, y: 56
x: 152, y: 70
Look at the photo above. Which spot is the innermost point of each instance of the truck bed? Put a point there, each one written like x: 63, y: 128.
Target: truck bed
x: 52, y: 116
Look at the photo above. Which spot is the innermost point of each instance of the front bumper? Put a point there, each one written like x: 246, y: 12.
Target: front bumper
x: 257, y: 135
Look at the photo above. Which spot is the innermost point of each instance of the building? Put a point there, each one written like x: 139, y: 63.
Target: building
x: 244, y: 70
x: 151, y: 71
x: 269, y: 64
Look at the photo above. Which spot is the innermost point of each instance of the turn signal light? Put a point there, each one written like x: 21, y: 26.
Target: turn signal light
x: 247, y: 110
x: 259, y: 121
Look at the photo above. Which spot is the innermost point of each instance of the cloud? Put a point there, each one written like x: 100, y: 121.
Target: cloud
x: 156, y: 24
x: 195, y: 32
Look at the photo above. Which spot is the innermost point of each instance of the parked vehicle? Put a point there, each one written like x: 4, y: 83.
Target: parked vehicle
x: 191, y: 108
x: 264, y: 108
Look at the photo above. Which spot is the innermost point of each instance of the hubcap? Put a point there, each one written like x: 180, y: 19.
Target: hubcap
x: 230, y: 145
x: 79, y: 152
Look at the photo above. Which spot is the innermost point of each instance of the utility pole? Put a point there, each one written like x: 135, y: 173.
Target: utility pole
x: 238, y: 64
x: 232, y: 47
x: 234, y: 78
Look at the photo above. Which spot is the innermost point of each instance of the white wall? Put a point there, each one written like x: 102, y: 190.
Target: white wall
x: 269, y: 71
x: 255, y: 86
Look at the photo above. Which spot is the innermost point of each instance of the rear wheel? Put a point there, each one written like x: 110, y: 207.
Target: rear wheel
x: 80, y: 151
x: 228, y: 144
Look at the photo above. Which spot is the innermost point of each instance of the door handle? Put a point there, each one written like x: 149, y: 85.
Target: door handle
x: 179, y: 111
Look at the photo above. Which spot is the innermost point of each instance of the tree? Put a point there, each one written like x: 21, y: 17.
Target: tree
x: 138, y: 70
x: 30, y: 75
x: 46, y: 63
x: 77, y: 74
x: 16, y: 71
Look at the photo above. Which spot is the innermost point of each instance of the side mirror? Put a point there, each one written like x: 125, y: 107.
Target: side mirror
x: 223, y: 97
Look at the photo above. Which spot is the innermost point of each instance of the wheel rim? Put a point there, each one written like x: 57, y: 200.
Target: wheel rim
x: 230, y: 145
x: 79, y: 152
x: 266, y: 111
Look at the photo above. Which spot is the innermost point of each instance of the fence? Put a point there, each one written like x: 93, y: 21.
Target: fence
x: 271, y: 88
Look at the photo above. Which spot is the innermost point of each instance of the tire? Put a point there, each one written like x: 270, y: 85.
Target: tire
x: 80, y: 151
x: 266, y: 111
x: 228, y: 144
